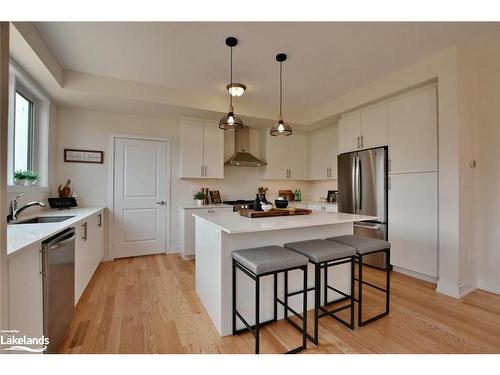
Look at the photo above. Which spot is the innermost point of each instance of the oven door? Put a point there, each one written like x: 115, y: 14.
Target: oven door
x: 372, y: 230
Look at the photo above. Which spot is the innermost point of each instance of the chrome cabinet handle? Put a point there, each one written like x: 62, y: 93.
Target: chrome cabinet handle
x: 161, y: 203
x: 358, y: 141
x: 99, y: 224
x: 201, y: 170
x: 84, y: 225
x: 362, y: 141
x: 205, y: 171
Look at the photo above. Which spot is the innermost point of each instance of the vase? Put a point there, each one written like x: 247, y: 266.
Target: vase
x: 200, y: 202
x: 256, y: 204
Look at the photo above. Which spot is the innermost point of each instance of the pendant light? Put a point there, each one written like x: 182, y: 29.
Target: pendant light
x: 230, y: 121
x: 281, y: 128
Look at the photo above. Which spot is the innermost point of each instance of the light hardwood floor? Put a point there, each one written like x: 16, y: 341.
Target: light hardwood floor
x: 149, y: 305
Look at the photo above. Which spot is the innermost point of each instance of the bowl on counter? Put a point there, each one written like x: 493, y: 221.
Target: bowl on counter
x: 281, y: 203
x: 266, y: 207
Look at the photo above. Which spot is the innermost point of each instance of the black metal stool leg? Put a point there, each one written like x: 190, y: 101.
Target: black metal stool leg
x: 325, y: 286
x: 360, y: 290
x: 275, y: 291
x: 388, y: 280
x: 304, y: 310
x: 234, y: 298
x: 257, y: 310
x: 352, y: 292
x: 317, y: 288
x: 285, y: 297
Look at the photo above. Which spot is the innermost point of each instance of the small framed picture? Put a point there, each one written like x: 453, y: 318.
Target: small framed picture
x: 215, y: 197
x: 83, y: 156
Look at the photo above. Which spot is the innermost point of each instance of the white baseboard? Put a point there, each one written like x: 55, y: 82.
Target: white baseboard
x: 449, y: 289
x: 489, y: 285
x: 173, y: 250
x: 416, y: 275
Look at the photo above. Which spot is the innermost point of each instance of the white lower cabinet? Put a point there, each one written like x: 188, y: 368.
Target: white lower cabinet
x: 25, y: 291
x: 187, y: 227
x: 413, y: 222
x: 325, y: 207
x: 89, y: 250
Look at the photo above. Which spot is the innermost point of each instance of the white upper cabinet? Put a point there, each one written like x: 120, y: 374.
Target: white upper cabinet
x: 364, y: 129
x: 201, y: 149
x: 412, y: 132
x: 350, y: 132
x: 374, y: 127
x: 286, y: 157
x: 323, y: 146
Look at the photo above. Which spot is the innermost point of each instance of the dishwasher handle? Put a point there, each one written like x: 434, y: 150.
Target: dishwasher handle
x: 65, y: 241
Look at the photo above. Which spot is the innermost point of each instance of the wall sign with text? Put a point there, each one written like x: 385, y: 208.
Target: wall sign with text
x: 83, y: 156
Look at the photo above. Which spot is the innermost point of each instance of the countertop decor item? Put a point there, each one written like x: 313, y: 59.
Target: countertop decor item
x: 275, y: 212
x: 64, y: 192
x: 257, y: 203
x: 281, y: 128
x: 266, y: 207
x: 83, y: 156
x: 199, y: 197
x: 287, y: 194
x: 26, y: 178
x: 215, y: 197
x: 281, y: 203
x: 230, y: 121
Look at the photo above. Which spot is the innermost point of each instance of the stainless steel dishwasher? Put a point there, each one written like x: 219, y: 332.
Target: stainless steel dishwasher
x: 58, y: 286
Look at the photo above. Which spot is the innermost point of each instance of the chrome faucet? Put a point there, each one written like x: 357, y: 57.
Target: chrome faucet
x: 14, y: 211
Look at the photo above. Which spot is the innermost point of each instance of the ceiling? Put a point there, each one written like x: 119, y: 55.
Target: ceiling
x: 326, y: 60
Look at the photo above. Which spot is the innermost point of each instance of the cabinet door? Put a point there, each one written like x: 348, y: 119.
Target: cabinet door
x: 25, y: 292
x: 374, y: 127
x: 83, y: 262
x: 319, y: 155
x: 298, y: 156
x: 213, y: 150
x: 413, y: 222
x: 349, y: 132
x: 334, y: 151
x: 412, y: 124
x: 276, y: 157
x: 191, y: 148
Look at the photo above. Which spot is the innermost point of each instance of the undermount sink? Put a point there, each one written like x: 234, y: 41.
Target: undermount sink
x: 44, y: 219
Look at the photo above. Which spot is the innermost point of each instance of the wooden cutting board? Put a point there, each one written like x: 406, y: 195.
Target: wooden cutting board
x: 275, y: 212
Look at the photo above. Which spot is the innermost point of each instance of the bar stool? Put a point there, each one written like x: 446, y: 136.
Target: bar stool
x: 324, y: 254
x: 263, y: 261
x: 365, y: 246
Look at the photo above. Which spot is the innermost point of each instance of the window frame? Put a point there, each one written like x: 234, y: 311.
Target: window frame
x: 31, y: 127
x: 20, y: 82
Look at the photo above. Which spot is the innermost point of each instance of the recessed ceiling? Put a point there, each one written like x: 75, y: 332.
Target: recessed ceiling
x: 325, y: 60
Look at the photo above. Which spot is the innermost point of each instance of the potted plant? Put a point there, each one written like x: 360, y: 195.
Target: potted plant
x: 26, y: 178
x: 199, y: 198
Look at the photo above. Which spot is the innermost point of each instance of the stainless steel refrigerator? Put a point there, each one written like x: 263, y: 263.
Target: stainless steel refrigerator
x: 362, y: 189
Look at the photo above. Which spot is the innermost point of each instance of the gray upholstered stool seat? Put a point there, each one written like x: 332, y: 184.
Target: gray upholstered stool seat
x: 319, y: 251
x: 363, y: 245
x: 266, y: 259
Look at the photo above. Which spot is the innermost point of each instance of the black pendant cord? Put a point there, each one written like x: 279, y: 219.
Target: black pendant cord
x: 230, y: 96
x: 281, y: 89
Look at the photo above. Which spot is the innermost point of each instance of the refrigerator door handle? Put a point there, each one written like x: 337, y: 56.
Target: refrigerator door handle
x: 360, y: 186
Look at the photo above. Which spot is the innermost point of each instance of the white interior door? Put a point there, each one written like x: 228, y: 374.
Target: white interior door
x: 140, y: 197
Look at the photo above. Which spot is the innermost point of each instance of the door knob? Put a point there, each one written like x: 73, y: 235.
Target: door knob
x: 162, y: 203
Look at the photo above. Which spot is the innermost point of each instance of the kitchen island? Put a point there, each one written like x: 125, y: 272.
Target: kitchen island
x: 219, y: 234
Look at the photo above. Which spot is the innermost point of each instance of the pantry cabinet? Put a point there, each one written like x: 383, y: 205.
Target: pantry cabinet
x: 201, y: 149
x: 363, y: 129
x: 412, y: 132
x: 286, y: 157
x: 413, y: 222
x: 323, y: 146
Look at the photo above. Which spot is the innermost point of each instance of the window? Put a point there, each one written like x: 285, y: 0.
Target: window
x: 23, y: 133
x: 28, y: 135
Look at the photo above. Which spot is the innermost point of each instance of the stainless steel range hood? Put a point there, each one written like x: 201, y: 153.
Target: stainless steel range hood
x: 241, y: 156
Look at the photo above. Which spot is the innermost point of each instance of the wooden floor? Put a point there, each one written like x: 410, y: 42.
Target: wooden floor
x: 149, y: 305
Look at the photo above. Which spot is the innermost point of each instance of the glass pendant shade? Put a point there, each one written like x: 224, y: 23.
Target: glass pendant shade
x: 236, y: 89
x: 281, y: 129
x: 230, y: 121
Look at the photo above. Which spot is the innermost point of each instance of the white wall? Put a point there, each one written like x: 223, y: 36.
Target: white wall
x: 87, y: 129
x: 487, y: 173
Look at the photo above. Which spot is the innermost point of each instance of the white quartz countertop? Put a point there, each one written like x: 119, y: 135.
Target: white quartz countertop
x: 194, y: 205
x: 233, y: 223
x: 20, y: 236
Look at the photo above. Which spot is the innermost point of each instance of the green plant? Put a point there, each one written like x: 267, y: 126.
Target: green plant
x: 199, y: 195
x: 28, y: 175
